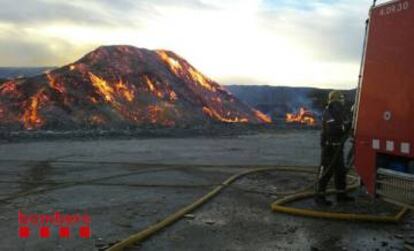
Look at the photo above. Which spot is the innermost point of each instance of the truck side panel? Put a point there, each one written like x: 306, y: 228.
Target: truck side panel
x: 385, y: 119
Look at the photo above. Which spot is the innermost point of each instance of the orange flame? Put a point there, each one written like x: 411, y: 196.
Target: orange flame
x: 124, y: 91
x: 149, y: 83
x: 157, y: 115
x: 102, y: 86
x: 152, y: 88
x: 31, y: 116
x: 303, y: 117
x: 180, y: 70
x: 108, y: 92
x: 54, y: 84
x: 199, y: 78
x: 174, y: 64
x: 262, y: 117
x: 9, y: 87
x: 214, y: 114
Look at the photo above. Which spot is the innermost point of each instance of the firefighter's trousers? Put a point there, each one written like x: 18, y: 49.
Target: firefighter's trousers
x: 332, y: 164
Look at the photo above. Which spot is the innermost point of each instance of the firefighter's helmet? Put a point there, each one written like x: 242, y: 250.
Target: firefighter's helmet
x: 336, y: 96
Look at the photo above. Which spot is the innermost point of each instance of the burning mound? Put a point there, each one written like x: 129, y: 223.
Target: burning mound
x: 120, y: 85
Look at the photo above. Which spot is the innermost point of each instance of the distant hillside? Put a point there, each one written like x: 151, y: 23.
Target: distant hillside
x: 277, y: 101
x: 14, y: 72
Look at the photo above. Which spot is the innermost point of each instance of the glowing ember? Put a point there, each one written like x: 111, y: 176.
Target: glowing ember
x: 93, y: 100
x: 102, y: 86
x: 8, y: 87
x: 152, y: 88
x: 149, y: 84
x: 174, y: 65
x: 173, y: 96
x: 124, y: 91
x: 214, y: 114
x: 31, y: 116
x: 303, y: 117
x: 108, y: 92
x: 264, y: 118
x: 54, y: 84
x: 186, y: 70
x: 203, y: 81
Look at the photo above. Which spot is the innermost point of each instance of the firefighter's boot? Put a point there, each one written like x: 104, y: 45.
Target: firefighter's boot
x: 321, y: 201
x: 344, y: 198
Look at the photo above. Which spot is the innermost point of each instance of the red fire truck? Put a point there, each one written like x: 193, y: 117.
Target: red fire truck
x: 384, y: 114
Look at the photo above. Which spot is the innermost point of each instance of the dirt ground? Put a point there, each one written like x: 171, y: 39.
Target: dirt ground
x: 127, y: 185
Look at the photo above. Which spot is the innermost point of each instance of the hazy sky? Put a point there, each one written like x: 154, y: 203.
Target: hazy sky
x: 275, y: 42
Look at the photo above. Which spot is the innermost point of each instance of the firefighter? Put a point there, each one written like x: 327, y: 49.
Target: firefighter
x: 335, y: 129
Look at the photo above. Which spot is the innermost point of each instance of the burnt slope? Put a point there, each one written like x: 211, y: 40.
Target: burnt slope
x: 120, y: 85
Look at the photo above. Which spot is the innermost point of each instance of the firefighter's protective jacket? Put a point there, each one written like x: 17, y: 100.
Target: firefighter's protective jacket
x: 335, y: 124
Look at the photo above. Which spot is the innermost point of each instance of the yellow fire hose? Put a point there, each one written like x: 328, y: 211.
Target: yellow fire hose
x: 277, y: 206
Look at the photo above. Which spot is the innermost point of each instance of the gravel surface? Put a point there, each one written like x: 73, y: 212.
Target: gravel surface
x: 127, y: 185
